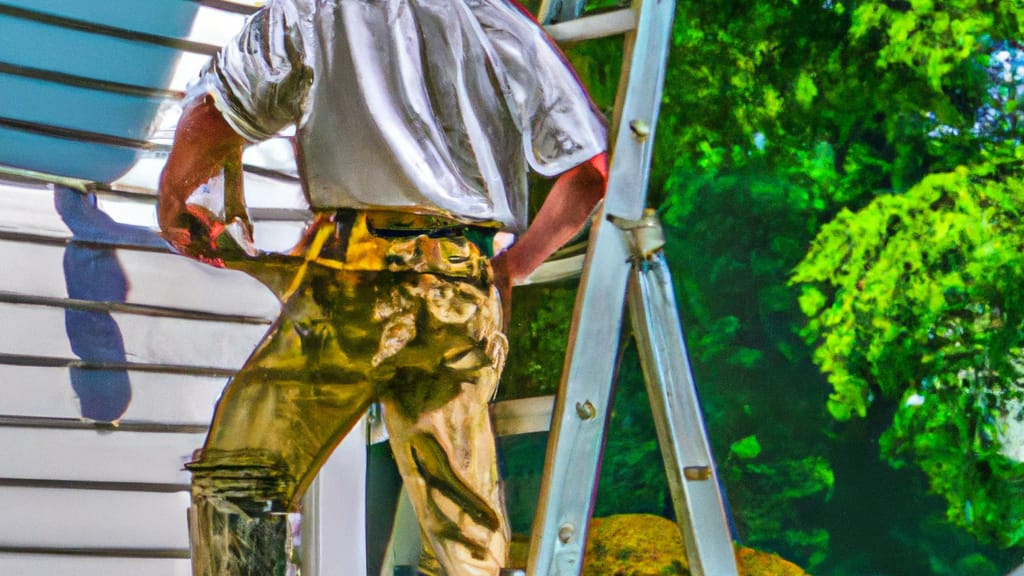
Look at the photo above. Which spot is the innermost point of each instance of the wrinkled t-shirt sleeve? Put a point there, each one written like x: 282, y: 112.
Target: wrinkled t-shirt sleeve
x: 561, y: 126
x: 566, y: 128
x: 260, y: 79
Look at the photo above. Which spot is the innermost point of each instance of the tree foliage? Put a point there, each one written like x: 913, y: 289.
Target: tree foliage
x: 872, y: 147
x: 915, y: 297
x: 790, y: 119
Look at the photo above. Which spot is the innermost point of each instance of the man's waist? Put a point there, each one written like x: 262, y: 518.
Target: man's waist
x: 374, y: 232
x: 398, y: 223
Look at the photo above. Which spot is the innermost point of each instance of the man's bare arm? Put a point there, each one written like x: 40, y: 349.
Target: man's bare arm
x: 203, y: 143
x: 571, y: 201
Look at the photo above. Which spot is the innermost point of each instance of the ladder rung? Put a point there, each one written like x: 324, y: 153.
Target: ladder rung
x: 522, y: 416
x: 556, y: 270
x: 510, y: 417
x: 591, y: 27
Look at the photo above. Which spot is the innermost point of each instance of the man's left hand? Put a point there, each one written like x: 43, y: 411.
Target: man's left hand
x: 503, y: 282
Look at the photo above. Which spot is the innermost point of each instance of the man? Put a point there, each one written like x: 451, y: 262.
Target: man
x: 416, y: 123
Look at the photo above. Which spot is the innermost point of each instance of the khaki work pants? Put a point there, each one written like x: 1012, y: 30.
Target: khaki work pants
x: 410, y: 321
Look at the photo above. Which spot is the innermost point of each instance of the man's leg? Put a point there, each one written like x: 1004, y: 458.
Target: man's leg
x: 275, y: 424
x: 436, y: 411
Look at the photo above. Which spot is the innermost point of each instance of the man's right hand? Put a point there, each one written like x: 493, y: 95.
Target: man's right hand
x: 203, y: 143
x: 193, y: 232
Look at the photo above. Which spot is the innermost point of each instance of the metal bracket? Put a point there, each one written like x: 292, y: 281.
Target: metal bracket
x: 646, y: 236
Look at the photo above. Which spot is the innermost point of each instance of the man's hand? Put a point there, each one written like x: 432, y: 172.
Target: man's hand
x: 203, y: 143
x: 194, y: 232
x: 566, y: 209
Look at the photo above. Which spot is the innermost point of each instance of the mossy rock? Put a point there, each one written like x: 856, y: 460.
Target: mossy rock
x: 634, y: 545
x: 756, y: 563
x: 647, y: 545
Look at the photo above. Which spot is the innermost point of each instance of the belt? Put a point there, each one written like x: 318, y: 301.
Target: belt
x: 328, y: 241
x: 390, y: 224
x: 394, y: 224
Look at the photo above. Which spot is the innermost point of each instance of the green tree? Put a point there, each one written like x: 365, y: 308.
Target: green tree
x: 915, y: 297
x: 784, y: 126
x: 782, y: 116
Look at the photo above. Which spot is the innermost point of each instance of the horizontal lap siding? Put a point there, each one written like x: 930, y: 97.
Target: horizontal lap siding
x: 95, y: 456
x: 149, y: 341
x: 83, y: 498
x: 78, y: 565
x: 46, y: 392
x: 83, y: 295
x: 99, y: 520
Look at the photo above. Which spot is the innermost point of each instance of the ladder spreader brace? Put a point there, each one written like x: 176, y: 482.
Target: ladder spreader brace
x: 625, y: 258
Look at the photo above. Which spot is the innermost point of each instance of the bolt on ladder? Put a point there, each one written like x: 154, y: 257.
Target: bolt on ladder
x: 625, y: 262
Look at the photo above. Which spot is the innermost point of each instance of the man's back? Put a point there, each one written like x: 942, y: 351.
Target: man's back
x: 434, y: 107
x: 420, y: 105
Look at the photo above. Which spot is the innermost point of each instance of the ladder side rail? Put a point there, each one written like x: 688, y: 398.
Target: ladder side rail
x: 581, y: 412
x: 689, y: 464
x: 558, y: 537
x: 635, y: 120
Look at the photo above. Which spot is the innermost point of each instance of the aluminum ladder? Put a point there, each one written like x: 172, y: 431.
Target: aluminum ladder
x: 625, y: 262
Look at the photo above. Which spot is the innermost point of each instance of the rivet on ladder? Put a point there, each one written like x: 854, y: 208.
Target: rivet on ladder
x: 586, y: 410
x: 566, y: 532
x: 697, y: 472
x: 640, y: 129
